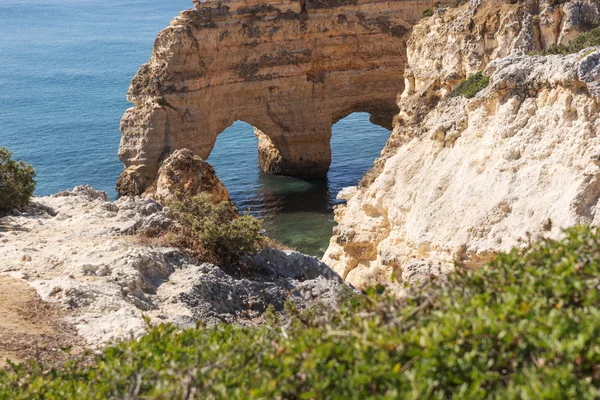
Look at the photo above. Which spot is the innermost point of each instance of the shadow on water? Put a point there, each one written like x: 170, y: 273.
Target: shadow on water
x: 282, y: 194
x: 295, y: 212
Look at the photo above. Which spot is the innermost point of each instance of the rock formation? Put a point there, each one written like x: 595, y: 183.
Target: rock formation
x: 184, y: 174
x: 77, y: 250
x: 462, y: 180
x: 288, y: 73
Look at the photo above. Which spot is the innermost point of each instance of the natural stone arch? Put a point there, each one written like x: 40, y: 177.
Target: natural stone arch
x: 291, y: 75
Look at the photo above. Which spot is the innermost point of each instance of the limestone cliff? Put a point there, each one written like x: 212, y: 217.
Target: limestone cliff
x: 461, y: 179
x: 290, y: 73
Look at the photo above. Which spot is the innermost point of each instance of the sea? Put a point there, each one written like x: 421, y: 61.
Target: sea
x: 65, y: 67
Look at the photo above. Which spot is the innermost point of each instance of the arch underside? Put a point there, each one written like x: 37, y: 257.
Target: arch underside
x: 290, y: 75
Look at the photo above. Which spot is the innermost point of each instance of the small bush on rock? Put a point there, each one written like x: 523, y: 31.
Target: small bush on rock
x: 471, y: 86
x: 428, y: 12
x: 524, y: 327
x: 215, y: 232
x: 556, y: 3
x: 583, y: 41
x: 458, y: 3
x: 17, y: 182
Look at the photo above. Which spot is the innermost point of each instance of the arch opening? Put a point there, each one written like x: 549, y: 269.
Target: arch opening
x: 296, y: 212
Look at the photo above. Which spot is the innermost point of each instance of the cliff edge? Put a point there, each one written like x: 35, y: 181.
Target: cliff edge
x: 463, y: 178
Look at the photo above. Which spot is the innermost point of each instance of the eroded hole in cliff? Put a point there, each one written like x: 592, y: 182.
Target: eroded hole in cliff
x: 296, y: 212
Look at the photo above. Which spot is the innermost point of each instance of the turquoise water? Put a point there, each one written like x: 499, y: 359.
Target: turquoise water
x: 65, y: 66
x: 296, y: 212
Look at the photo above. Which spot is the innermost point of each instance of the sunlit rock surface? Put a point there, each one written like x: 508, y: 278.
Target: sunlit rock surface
x: 290, y: 74
x: 460, y: 179
x: 78, y: 250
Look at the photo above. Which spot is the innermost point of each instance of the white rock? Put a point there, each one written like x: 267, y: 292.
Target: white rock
x: 466, y: 179
x: 107, y: 281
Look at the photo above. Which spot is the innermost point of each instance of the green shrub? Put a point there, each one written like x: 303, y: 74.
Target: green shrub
x: 555, y: 3
x: 428, y: 12
x: 471, y: 86
x: 214, y: 231
x: 16, y: 182
x: 525, y: 326
x: 583, y: 41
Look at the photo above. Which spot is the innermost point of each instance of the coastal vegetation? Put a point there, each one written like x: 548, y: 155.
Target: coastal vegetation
x: 581, y: 42
x: 17, y: 182
x: 213, y: 231
x: 471, y: 86
x: 428, y: 12
x: 524, y: 326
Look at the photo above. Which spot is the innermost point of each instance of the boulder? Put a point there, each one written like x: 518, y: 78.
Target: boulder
x: 184, y: 174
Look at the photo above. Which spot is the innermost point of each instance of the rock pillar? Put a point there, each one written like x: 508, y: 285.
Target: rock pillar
x: 298, y: 154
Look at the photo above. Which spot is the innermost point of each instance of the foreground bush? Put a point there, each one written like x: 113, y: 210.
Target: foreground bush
x: 16, y: 182
x: 214, y: 232
x: 583, y: 41
x: 471, y: 86
x: 526, y: 326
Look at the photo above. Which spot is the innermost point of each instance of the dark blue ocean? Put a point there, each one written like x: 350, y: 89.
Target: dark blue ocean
x: 65, y: 66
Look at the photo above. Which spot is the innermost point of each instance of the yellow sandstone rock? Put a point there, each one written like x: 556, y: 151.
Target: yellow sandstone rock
x: 288, y: 73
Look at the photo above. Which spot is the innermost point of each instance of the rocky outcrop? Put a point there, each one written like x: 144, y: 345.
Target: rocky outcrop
x: 467, y: 178
x: 185, y: 174
x: 446, y: 48
x: 289, y: 73
x: 77, y: 250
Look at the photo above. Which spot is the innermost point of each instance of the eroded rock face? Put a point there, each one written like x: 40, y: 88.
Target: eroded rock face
x: 445, y: 49
x: 77, y: 251
x: 185, y: 174
x: 461, y: 180
x: 290, y: 74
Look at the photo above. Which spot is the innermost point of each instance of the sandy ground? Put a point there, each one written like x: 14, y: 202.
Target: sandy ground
x: 31, y: 328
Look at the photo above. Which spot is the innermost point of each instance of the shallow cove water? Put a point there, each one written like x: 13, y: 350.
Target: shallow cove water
x: 65, y: 66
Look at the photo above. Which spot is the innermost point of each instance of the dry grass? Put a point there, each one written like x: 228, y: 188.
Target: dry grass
x: 269, y: 243
x: 32, y: 329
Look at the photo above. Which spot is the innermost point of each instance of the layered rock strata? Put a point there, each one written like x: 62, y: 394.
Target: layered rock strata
x: 462, y: 179
x: 290, y: 73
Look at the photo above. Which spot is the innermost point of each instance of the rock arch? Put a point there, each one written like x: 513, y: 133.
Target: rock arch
x: 289, y: 74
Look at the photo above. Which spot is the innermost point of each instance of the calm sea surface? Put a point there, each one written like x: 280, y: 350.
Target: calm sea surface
x: 65, y: 66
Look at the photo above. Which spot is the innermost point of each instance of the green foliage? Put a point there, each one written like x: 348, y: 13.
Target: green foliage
x: 16, y: 182
x: 214, y: 231
x: 555, y: 3
x: 583, y: 41
x: 270, y: 315
x: 525, y: 326
x: 428, y: 12
x: 471, y: 86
